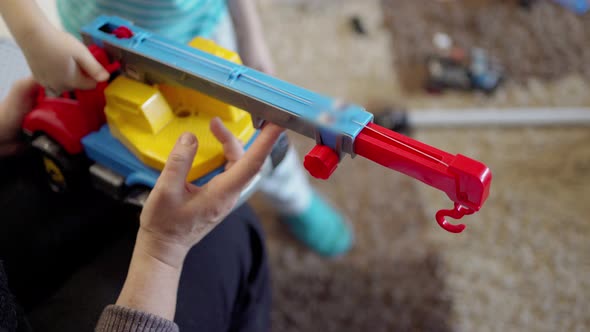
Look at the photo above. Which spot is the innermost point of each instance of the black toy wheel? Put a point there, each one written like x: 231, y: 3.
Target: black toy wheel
x: 63, y: 171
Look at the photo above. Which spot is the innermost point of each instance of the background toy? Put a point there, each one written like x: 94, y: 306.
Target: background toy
x: 453, y: 67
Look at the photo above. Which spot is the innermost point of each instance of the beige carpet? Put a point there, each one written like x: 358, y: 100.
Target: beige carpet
x: 523, y: 263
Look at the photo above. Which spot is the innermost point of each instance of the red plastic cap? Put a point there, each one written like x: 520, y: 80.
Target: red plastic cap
x: 321, y: 162
x: 123, y: 32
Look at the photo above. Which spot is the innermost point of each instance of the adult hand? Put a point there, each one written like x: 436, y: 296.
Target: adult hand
x: 18, y: 103
x: 178, y: 214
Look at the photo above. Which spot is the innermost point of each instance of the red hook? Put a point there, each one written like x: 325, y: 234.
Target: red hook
x: 465, y: 181
x: 458, y: 212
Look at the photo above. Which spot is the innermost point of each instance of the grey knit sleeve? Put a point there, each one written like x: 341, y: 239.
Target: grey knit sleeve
x: 116, y: 318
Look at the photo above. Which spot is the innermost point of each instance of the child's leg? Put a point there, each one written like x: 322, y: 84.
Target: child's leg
x: 311, y: 219
x: 288, y: 189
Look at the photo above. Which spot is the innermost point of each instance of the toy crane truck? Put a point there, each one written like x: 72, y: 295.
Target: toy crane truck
x: 131, y: 122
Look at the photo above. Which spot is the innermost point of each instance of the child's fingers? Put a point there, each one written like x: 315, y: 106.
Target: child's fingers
x: 234, y: 179
x: 91, y: 67
x: 80, y: 81
x: 232, y: 147
x: 180, y: 160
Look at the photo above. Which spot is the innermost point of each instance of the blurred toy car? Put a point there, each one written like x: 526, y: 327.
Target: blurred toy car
x: 456, y: 68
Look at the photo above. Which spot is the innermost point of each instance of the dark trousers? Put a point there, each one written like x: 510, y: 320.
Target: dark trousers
x: 67, y: 257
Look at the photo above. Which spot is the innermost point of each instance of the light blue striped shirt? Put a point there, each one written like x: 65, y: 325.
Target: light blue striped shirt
x: 180, y: 20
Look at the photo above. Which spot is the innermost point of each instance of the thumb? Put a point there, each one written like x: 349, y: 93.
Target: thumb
x: 90, y: 66
x: 22, y: 95
x: 20, y: 101
x: 179, y: 163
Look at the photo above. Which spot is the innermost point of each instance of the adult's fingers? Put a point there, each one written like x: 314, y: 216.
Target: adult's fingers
x: 24, y: 86
x: 232, y: 147
x: 22, y: 95
x: 180, y: 160
x: 235, y: 178
x: 18, y: 103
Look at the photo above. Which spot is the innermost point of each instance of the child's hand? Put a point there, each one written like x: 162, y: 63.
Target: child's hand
x: 255, y: 54
x: 250, y: 36
x: 60, y: 62
x: 13, y: 109
x: 178, y: 214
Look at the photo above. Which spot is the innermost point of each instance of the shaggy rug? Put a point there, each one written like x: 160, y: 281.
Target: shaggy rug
x: 544, y: 41
x: 522, y: 264
x: 393, y: 280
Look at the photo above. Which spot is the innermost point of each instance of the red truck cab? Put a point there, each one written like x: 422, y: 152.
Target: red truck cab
x: 56, y: 125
